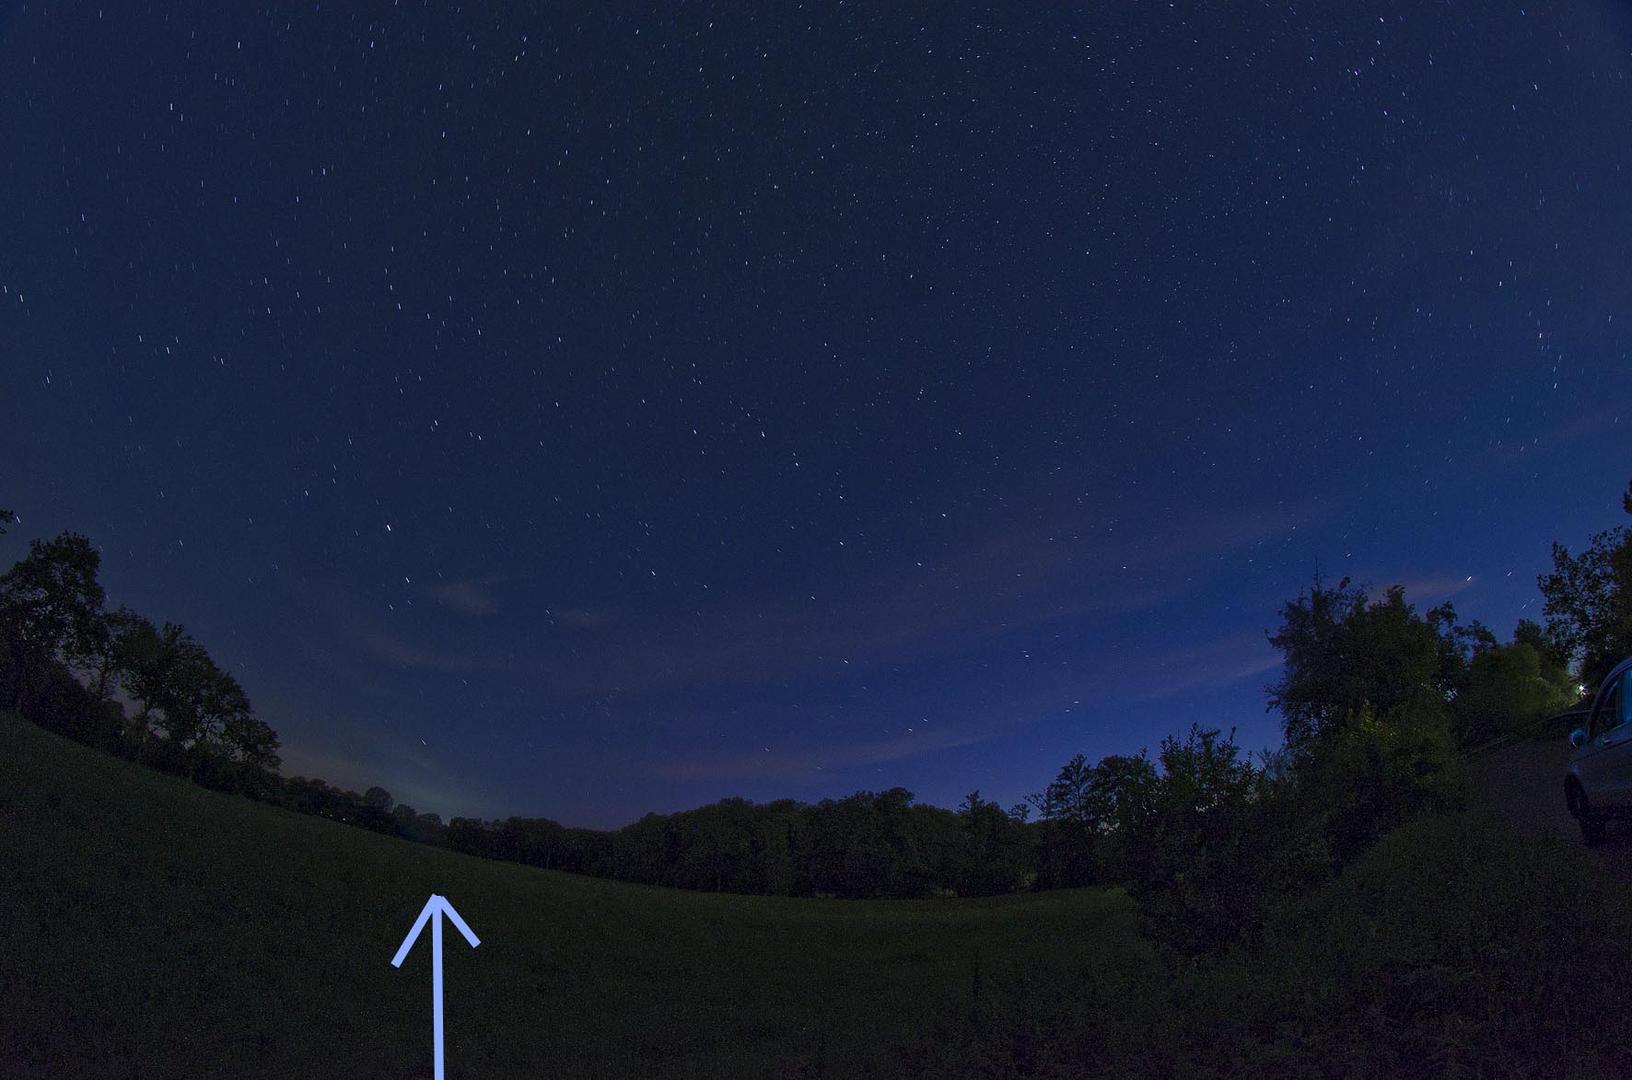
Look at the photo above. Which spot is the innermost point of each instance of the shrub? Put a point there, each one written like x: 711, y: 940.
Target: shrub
x: 1451, y: 948
x: 1222, y: 842
x: 1372, y: 773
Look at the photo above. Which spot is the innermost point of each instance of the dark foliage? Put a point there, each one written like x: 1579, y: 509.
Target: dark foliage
x: 58, y: 702
x: 1589, y: 601
x: 1089, y: 815
x: 1509, y: 688
x: 50, y: 603
x: 1342, y: 652
x: 871, y: 844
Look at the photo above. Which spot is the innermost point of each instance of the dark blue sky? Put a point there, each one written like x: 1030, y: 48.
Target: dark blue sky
x: 585, y: 414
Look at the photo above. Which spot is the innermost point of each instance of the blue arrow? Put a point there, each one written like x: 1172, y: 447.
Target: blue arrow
x: 437, y: 906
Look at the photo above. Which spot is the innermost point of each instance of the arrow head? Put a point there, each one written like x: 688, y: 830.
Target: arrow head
x: 447, y: 909
x: 438, y: 906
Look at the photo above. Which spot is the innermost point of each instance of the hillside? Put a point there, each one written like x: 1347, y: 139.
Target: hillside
x: 154, y: 928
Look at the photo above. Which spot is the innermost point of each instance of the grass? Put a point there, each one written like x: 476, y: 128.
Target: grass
x: 149, y: 927
x: 152, y: 928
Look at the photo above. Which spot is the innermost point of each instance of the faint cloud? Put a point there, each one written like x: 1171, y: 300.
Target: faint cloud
x: 786, y: 762
x: 366, y: 632
x: 468, y: 596
x: 1585, y: 424
x: 1206, y: 664
x: 1430, y: 587
x: 1054, y: 564
x: 384, y: 646
x: 407, y: 770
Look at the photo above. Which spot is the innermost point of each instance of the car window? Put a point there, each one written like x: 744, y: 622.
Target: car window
x: 1611, y: 710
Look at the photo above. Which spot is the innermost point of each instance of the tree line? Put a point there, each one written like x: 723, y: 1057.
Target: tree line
x: 869, y: 844
x: 1377, y: 702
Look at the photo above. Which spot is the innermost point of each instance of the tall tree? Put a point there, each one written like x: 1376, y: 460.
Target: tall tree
x: 995, y: 856
x: 1087, y: 814
x: 218, y: 704
x: 111, y: 642
x: 1589, y: 600
x: 1068, y: 799
x: 50, y: 605
x: 183, y: 695
x: 147, y: 659
x: 251, y: 740
x: 1342, y: 651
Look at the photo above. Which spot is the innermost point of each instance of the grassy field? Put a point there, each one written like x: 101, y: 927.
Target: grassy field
x: 152, y: 928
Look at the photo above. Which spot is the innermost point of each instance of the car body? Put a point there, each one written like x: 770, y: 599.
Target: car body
x: 1565, y: 723
x: 1598, y: 784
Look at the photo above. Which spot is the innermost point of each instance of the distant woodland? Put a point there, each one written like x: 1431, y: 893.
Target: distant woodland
x: 1377, y: 702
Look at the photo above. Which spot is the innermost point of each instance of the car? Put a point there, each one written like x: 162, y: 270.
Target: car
x: 1598, y: 784
x: 1561, y: 724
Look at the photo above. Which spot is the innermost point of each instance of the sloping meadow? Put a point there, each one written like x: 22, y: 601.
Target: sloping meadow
x: 156, y: 928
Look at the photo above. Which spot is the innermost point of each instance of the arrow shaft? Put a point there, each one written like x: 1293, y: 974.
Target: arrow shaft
x: 433, y: 911
x: 436, y: 986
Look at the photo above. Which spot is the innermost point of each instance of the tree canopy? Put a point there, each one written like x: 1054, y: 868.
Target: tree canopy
x: 50, y: 603
x: 1589, y: 600
x: 1342, y: 651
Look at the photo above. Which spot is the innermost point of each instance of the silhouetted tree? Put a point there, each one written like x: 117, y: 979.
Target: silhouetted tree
x: 1070, y: 827
x: 251, y: 741
x: 1589, y: 601
x: 1555, y: 662
x: 60, y: 702
x: 846, y: 847
x: 197, y: 707
x: 145, y: 663
x: 1341, y: 653
x: 1124, y: 791
x: 1087, y: 815
x: 111, y: 642
x: 996, y: 857
x: 470, y: 836
x: 1368, y: 699
x: 50, y: 603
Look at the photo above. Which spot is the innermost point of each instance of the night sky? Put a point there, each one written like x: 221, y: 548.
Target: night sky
x: 582, y: 414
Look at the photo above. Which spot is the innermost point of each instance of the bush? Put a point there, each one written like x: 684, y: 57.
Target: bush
x: 1223, y: 841
x: 1371, y: 774
x: 1509, y: 689
x: 1451, y: 948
